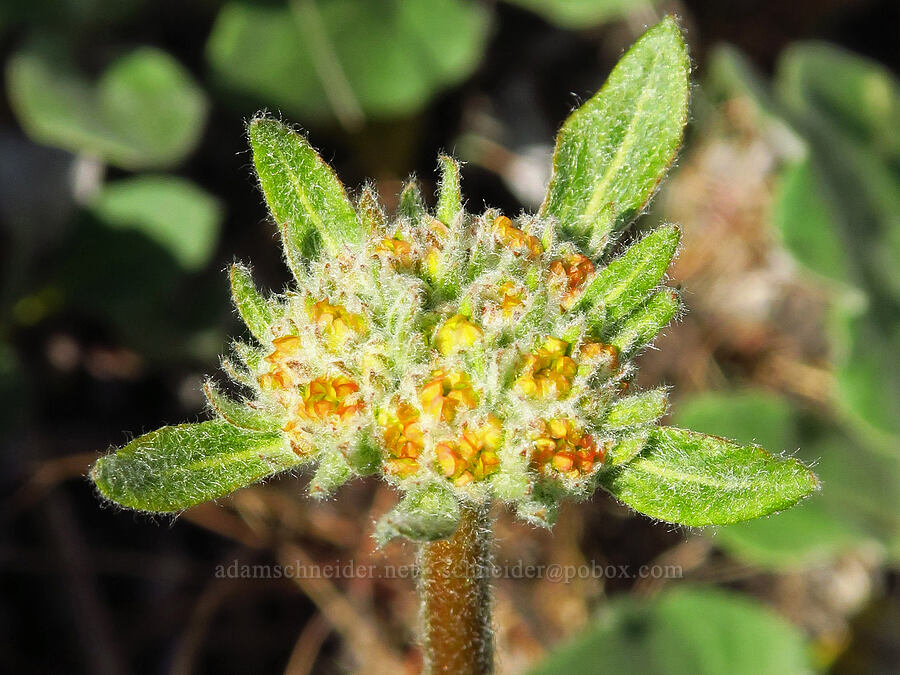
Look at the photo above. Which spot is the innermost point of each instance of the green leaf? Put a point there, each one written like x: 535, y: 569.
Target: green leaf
x: 693, y: 479
x: 171, y: 211
x: 371, y: 215
x: 702, y: 631
x: 626, y: 448
x: 254, y: 309
x: 639, y: 329
x: 807, y: 225
x: 174, y: 468
x: 628, y: 280
x: 859, y: 503
x: 449, y: 204
x: 426, y: 513
x: 347, y: 58
x: 867, y: 369
x: 304, y: 195
x: 643, y: 408
x: 238, y: 413
x: 615, y: 149
x: 333, y: 471
x: 412, y: 206
x: 580, y: 13
x: 854, y: 93
x: 145, y: 111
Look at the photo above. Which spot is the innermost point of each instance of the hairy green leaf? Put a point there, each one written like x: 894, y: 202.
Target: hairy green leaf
x: 304, y: 195
x: 371, y: 215
x: 145, y: 111
x: 238, y: 413
x: 173, y: 468
x: 411, y: 205
x: 629, y: 279
x: 449, y: 203
x: 639, y: 329
x: 171, y: 211
x: 254, y: 309
x: 626, y: 448
x: 693, y: 479
x: 643, y: 408
x: 332, y: 472
x: 613, y: 151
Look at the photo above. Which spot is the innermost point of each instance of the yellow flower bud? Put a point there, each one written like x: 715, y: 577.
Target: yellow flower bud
x: 547, y: 373
x: 335, y: 321
x: 403, y: 439
x: 457, y: 333
x: 474, y: 456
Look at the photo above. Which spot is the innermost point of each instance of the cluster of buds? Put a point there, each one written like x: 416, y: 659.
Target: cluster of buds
x: 467, y: 352
x: 465, y: 358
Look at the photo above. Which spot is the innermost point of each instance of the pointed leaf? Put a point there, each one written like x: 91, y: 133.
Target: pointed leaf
x: 643, y: 408
x: 628, y: 280
x: 615, y: 149
x: 173, y: 468
x: 253, y: 307
x: 449, y: 198
x: 411, y: 205
x: 238, y: 413
x: 305, y: 196
x: 626, y: 449
x: 371, y: 215
x: 332, y: 472
x: 693, y: 479
x: 639, y: 329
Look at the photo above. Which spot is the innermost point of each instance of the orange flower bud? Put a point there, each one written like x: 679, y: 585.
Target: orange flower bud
x: 403, y: 439
x: 571, y: 272
x: 515, y: 239
x: 329, y: 399
x: 442, y: 396
x: 474, y: 456
x: 559, y: 447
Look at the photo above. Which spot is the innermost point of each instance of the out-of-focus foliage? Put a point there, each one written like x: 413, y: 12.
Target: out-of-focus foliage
x: 347, y: 58
x: 582, y: 13
x: 171, y: 211
x: 689, y: 630
x: 144, y: 111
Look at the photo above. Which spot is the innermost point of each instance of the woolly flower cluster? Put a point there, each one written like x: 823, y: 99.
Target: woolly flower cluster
x: 471, y: 356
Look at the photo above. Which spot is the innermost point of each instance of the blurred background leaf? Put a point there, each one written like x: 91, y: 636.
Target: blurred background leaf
x: 347, y: 58
x: 144, y: 111
x: 171, y: 211
x: 689, y: 630
x: 583, y: 13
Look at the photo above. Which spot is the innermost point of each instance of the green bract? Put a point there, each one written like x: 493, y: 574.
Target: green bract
x: 467, y: 357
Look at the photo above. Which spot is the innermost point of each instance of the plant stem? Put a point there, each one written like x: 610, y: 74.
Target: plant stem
x: 456, y: 597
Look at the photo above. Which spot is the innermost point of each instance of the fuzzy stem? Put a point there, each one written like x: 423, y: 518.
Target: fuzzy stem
x: 456, y: 597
